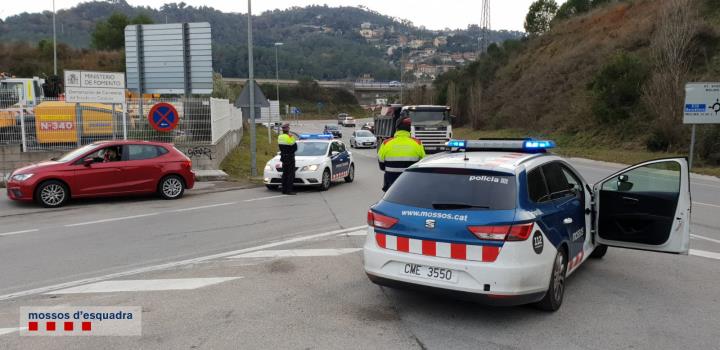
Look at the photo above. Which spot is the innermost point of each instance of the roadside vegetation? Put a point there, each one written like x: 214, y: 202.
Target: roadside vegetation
x: 237, y: 163
x: 604, y: 78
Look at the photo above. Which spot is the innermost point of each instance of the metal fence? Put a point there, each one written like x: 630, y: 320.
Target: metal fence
x: 55, y: 124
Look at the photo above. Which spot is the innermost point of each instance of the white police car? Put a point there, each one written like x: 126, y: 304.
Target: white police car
x: 319, y: 161
x: 503, y: 221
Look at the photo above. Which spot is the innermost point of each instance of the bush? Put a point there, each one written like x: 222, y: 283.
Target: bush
x: 617, y: 88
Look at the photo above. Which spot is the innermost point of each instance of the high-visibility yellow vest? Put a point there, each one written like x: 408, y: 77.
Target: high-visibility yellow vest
x: 398, y: 153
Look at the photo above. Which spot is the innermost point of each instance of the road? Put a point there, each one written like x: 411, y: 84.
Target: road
x: 291, y: 277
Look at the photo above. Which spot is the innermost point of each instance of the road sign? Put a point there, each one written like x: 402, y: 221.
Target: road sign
x: 173, y: 58
x: 163, y: 117
x: 702, y: 103
x: 99, y: 87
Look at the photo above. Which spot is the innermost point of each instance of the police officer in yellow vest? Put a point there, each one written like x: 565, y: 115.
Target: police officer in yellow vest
x: 288, y: 147
x: 399, y: 152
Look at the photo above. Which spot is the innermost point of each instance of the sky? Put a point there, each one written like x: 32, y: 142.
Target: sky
x: 433, y: 14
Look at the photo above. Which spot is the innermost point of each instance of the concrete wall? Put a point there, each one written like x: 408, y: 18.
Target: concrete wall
x: 209, y: 157
x: 12, y: 157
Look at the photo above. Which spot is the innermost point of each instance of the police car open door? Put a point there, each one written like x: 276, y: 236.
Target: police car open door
x: 645, y: 206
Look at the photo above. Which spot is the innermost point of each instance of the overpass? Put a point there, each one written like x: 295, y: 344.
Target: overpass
x: 366, y: 93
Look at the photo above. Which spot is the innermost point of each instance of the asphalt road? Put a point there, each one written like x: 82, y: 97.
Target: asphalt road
x: 312, y: 298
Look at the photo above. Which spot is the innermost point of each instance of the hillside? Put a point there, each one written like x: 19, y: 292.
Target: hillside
x: 613, y: 77
x: 321, y: 42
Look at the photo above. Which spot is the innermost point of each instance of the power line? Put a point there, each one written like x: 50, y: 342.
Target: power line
x: 485, y: 26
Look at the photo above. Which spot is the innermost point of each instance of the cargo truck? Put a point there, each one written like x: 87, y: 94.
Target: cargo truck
x: 430, y: 124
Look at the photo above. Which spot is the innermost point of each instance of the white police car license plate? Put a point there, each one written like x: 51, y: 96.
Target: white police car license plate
x: 430, y: 272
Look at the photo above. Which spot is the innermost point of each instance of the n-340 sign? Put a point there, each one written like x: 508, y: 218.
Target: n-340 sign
x: 702, y: 103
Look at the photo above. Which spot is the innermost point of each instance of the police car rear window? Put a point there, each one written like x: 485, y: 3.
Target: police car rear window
x: 454, y: 189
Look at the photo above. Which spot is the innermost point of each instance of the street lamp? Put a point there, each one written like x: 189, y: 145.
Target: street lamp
x: 54, y: 43
x: 277, y: 87
x: 251, y: 85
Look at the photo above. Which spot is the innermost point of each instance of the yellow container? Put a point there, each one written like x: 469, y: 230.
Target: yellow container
x: 56, y: 122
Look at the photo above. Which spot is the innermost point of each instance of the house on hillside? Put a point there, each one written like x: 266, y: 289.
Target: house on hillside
x: 416, y: 44
x: 440, y: 41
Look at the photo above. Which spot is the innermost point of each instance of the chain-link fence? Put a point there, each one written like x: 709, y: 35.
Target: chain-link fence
x: 58, y: 125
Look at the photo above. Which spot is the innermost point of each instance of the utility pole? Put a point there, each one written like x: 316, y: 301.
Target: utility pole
x: 54, y: 42
x: 277, y: 87
x: 251, y: 85
x: 402, y: 71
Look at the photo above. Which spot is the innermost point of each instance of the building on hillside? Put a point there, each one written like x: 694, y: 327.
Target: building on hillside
x: 402, y: 40
x: 409, y: 67
x: 469, y: 56
x: 391, y: 50
x: 416, y: 44
x: 366, y: 25
x: 444, y: 68
x: 427, y: 69
x: 440, y: 41
x: 445, y: 57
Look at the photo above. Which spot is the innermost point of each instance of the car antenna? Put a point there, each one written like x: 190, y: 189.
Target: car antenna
x: 465, y: 158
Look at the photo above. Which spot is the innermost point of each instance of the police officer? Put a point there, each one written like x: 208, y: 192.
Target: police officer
x: 399, y: 152
x: 288, y: 146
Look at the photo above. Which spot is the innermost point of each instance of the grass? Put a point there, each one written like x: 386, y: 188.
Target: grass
x: 586, y: 146
x: 237, y: 163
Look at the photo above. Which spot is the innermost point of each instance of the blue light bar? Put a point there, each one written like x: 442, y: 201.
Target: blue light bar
x: 538, y: 144
x: 316, y: 137
x: 456, y: 144
x: 519, y: 145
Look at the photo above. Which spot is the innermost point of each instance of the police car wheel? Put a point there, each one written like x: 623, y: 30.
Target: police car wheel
x: 272, y: 187
x: 599, y: 252
x: 325, y: 184
x: 351, y: 174
x: 52, y: 194
x: 554, y: 296
x: 171, y: 187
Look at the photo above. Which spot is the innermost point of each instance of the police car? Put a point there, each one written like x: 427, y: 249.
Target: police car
x: 319, y: 161
x: 505, y: 222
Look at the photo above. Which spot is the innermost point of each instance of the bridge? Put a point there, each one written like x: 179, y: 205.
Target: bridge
x: 366, y: 93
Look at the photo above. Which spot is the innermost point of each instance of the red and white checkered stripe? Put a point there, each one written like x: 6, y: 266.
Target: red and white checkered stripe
x: 341, y: 174
x: 575, y: 261
x: 457, y: 251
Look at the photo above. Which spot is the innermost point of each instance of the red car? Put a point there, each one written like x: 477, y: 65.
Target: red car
x: 106, y: 168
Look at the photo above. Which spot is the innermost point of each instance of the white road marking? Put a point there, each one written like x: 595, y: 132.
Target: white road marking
x: 355, y: 233
x: 144, y: 285
x: 704, y: 254
x: 296, y: 253
x: 203, y: 207
x: 112, y: 219
x: 169, y: 265
x: 704, y: 238
x: 4, y: 331
x: 18, y: 232
x: 262, y: 198
x: 707, y: 204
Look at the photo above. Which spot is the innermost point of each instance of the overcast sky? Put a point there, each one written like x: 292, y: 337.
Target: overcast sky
x: 433, y: 14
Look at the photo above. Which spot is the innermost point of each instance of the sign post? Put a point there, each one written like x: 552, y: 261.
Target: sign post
x: 702, y: 106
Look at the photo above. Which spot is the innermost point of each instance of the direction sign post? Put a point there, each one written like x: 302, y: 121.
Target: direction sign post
x: 702, y: 106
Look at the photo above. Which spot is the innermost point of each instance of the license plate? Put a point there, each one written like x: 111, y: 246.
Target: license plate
x: 429, y: 272
x: 367, y: 143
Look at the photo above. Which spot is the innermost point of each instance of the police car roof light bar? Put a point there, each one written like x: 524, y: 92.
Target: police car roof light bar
x: 316, y: 137
x: 518, y: 145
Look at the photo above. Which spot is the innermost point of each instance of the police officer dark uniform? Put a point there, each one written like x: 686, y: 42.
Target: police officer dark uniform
x: 399, y: 152
x: 288, y: 146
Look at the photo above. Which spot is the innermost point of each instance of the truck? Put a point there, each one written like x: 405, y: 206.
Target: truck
x: 432, y: 125
x: 18, y: 97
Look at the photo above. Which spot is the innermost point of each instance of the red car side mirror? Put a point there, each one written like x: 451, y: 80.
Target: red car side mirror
x: 88, y: 161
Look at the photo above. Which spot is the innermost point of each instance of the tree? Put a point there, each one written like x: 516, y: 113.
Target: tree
x: 539, y: 16
x: 110, y: 34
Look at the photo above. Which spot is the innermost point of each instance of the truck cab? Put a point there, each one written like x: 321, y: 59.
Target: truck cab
x: 431, y: 125
x: 28, y: 90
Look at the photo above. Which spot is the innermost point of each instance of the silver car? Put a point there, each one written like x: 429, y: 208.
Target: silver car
x: 362, y: 139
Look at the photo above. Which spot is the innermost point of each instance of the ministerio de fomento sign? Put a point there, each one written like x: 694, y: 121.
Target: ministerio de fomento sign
x: 98, y: 87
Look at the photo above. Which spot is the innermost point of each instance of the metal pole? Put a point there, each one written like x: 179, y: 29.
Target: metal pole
x: 124, y: 121
x: 22, y: 126
x: 54, y: 43
x: 692, y: 147
x: 402, y: 72
x: 251, y: 85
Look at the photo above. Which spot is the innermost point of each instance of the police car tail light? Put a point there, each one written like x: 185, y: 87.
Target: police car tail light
x: 520, y: 232
x: 380, y: 221
x: 490, y: 233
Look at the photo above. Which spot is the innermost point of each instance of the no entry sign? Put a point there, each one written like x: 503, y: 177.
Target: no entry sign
x: 163, y: 117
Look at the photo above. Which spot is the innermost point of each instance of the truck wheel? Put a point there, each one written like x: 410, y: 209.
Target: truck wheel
x: 554, y: 296
x: 599, y: 251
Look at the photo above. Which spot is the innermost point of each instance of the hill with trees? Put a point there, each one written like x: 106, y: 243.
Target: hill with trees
x: 598, y: 73
x: 319, y: 41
